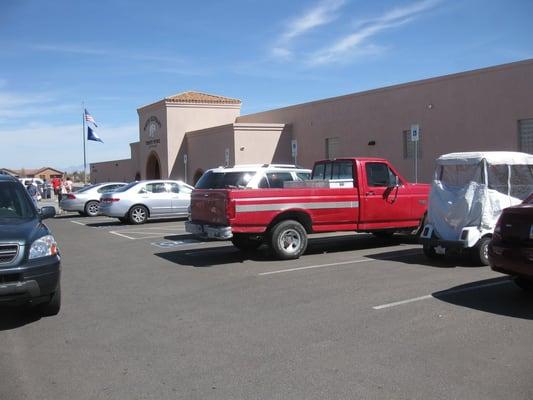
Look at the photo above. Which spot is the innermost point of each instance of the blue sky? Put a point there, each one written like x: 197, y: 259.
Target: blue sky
x: 117, y: 55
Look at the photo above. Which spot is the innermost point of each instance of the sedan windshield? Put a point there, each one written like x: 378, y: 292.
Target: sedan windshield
x: 126, y: 187
x: 14, y: 203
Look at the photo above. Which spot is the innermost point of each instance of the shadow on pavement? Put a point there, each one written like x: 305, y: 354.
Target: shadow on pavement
x: 412, y: 257
x: 496, y: 296
x: 209, y: 257
x: 15, y: 317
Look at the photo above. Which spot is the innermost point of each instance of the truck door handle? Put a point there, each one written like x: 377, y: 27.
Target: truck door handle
x: 370, y: 193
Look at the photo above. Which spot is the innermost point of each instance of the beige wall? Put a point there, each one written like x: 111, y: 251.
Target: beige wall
x: 184, y: 118
x: 207, y: 148
x: 148, y: 144
x: 262, y: 143
x: 476, y: 110
x: 113, y: 171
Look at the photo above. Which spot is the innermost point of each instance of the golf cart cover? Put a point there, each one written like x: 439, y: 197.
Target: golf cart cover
x: 471, y: 189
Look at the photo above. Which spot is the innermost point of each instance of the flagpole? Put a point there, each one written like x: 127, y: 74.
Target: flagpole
x: 84, y: 149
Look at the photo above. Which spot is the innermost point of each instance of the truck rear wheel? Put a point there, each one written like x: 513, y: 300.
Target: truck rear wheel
x: 288, y: 240
x: 243, y: 242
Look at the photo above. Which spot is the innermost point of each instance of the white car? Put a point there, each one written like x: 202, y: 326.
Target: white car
x: 252, y: 176
x: 86, y: 201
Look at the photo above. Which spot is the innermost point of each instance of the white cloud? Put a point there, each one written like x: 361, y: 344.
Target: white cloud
x: 15, y: 106
x: 320, y: 14
x: 35, y: 145
x: 357, y: 43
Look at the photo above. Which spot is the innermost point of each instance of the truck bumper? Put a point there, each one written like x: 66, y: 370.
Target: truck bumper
x: 209, y: 231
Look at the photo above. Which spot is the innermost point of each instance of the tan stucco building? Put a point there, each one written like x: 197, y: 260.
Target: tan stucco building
x: 183, y: 135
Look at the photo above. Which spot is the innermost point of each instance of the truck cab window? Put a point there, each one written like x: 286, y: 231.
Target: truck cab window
x: 318, y: 172
x: 342, y: 170
x: 380, y: 175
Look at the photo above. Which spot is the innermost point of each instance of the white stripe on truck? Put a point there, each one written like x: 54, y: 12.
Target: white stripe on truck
x: 286, y: 206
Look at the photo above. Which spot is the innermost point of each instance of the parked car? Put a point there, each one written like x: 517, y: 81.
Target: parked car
x: 469, y: 192
x: 511, y: 249
x: 86, y: 200
x: 139, y: 201
x: 29, y: 256
x: 345, y: 194
x: 252, y: 176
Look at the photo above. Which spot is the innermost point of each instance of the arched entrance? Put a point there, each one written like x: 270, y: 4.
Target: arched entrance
x: 197, y: 175
x: 153, y: 167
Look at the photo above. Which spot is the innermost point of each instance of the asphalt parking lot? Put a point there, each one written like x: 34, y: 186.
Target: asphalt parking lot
x: 151, y: 313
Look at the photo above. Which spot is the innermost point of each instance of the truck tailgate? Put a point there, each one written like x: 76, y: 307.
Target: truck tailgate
x: 209, y: 206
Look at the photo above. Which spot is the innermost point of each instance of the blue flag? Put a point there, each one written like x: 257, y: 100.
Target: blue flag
x: 91, y: 135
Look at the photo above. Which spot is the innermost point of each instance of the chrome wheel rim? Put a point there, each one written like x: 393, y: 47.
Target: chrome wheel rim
x: 138, y: 215
x: 93, y: 208
x: 290, y: 241
x: 485, y: 251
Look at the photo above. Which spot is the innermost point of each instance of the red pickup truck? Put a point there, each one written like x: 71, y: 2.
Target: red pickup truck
x: 344, y: 194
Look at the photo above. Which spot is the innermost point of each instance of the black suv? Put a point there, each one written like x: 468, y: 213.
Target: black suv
x: 29, y: 258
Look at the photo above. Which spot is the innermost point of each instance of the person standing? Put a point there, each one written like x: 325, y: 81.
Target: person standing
x: 33, y: 192
x: 68, y: 185
x: 56, y: 183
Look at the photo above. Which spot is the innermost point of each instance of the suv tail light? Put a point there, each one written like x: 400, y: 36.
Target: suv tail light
x: 230, y: 209
x: 70, y: 196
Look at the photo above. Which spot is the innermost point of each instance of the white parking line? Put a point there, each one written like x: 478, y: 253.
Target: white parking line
x: 444, y: 292
x: 120, y: 234
x: 78, y: 222
x: 336, y: 264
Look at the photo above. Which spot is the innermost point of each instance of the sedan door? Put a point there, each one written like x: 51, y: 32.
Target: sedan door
x: 156, y: 198
x: 181, y: 198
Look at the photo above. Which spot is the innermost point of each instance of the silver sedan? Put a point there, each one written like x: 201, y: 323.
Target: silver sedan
x: 138, y: 201
x: 86, y: 201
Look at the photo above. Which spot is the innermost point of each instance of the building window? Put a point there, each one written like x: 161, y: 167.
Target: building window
x: 332, y: 147
x: 525, y: 131
x: 409, y: 145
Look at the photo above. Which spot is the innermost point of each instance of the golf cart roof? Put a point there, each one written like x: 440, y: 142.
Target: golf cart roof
x: 492, y: 157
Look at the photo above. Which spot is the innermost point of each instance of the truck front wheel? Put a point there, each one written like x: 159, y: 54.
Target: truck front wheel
x: 243, y: 242
x: 288, y: 240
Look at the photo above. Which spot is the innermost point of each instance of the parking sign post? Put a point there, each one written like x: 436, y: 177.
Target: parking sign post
x: 415, y: 137
x: 185, y: 166
x: 294, y: 150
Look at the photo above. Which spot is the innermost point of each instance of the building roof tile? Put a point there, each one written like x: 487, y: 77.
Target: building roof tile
x: 198, y: 97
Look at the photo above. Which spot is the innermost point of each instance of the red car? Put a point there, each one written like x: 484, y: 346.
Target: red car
x: 511, y: 247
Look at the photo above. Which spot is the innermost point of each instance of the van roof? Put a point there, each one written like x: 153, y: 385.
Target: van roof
x: 492, y: 157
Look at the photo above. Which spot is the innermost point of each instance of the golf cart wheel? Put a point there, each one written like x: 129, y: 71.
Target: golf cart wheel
x: 138, y: 215
x: 288, y: 240
x: 91, y: 208
x: 429, y: 252
x: 480, y: 252
x: 243, y: 242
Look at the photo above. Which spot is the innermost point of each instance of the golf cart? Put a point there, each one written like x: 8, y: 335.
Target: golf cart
x: 469, y: 192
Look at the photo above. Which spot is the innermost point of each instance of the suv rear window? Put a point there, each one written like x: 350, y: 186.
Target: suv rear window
x: 224, y: 180
x: 14, y: 203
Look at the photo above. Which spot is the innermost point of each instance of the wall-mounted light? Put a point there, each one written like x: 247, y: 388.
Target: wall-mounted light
x: 372, y: 143
x: 241, y: 148
x: 430, y: 106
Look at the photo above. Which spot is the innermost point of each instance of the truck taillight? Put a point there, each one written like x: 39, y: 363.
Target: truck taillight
x: 230, y: 209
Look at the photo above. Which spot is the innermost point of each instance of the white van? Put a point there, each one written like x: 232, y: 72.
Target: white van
x: 252, y: 176
x: 469, y: 192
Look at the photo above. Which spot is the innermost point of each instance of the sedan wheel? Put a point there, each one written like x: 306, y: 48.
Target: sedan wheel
x: 91, y: 208
x: 138, y: 215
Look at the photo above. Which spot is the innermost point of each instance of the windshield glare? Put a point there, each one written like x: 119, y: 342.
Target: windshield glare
x: 224, y: 180
x: 14, y: 203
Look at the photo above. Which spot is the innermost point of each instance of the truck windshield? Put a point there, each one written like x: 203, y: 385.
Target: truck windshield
x: 224, y: 180
x: 14, y: 203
